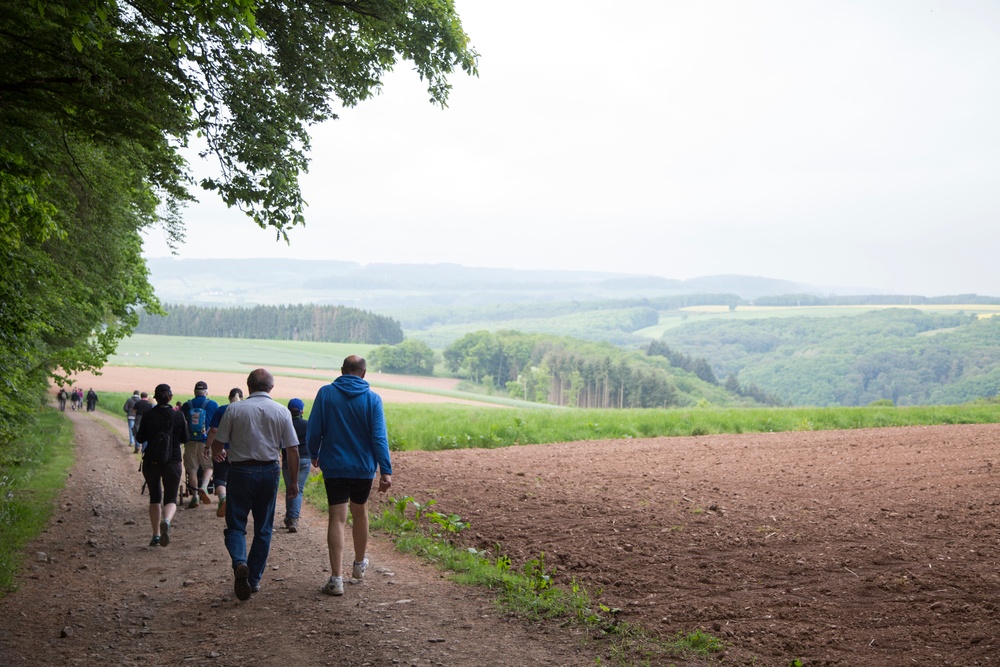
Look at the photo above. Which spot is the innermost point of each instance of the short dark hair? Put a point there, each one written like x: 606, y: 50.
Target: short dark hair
x: 163, y: 394
x: 235, y: 391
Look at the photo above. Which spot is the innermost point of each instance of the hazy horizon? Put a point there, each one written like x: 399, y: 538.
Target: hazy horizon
x: 830, y: 144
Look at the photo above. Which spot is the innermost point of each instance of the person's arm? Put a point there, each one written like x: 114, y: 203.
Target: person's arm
x: 217, y: 440
x: 380, y: 443
x: 209, y: 446
x: 314, y: 430
x: 293, y: 476
x: 290, y: 445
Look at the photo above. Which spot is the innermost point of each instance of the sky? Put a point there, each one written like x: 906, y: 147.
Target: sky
x: 837, y: 143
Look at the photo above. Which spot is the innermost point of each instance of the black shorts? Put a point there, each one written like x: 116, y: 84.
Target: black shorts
x: 341, y: 489
x: 163, y: 480
x: 220, y: 473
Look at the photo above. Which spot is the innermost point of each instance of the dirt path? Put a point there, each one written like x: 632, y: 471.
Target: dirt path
x: 867, y: 548
x: 94, y: 594
x: 288, y: 383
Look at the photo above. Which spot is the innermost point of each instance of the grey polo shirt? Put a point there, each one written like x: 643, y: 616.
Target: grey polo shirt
x: 257, y: 429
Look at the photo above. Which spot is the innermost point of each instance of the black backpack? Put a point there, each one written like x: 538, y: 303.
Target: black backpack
x: 158, y: 448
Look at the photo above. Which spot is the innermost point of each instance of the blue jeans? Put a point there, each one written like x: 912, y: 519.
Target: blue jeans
x: 294, y: 506
x: 131, y: 430
x: 251, y: 490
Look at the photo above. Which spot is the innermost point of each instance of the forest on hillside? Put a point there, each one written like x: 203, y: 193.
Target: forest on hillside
x: 565, y: 371
x: 901, y: 355
x: 332, y: 324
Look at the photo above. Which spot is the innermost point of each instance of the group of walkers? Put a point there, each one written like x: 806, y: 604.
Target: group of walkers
x: 244, y: 447
x: 75, y: 399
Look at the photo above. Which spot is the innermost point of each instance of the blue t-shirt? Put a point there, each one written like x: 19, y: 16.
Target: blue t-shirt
x: 217, y: 419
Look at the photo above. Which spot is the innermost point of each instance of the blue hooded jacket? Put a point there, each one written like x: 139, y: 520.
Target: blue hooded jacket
x: 347, y: 430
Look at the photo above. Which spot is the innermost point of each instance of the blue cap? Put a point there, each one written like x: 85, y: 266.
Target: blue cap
x: 296, y: 404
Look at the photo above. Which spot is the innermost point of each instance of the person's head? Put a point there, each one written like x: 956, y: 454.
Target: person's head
x: 143, y: 395
x: 235, y: 394
x: 260, y: 379
x: 296, y: 406
x: 201, y: 388
x: 354, y: 365
x: 135, y: 393
x: 163, y: 394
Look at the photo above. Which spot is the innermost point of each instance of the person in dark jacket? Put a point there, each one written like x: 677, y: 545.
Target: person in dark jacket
x: 163, y: 479
x: 293, y: 506
x: 91, y: 400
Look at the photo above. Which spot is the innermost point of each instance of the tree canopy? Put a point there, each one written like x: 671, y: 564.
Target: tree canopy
x: 99, y: 99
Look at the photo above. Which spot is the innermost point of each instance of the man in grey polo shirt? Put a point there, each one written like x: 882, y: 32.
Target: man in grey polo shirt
x: 257, y: 429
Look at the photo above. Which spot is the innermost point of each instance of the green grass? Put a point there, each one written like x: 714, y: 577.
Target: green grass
x: 676, y: 318
x: 226, y: 354
x: 422, y: 427
x: 432, y: 427
x: 32, y: 473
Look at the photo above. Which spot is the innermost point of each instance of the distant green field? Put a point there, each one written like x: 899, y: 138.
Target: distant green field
x: 675, y: 318
x: 228, y: 354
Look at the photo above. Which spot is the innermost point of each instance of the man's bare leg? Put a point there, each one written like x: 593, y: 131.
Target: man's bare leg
x: 335, y: 537
x: 359, y: 517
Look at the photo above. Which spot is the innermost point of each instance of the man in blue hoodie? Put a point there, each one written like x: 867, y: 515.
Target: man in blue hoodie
x: 347, y: 440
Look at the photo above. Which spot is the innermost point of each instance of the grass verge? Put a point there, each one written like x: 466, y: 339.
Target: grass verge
x: 32, y: 473
x: 530, y: 593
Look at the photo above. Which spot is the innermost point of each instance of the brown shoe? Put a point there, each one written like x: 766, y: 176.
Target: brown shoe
x: 204, y: 497
x: 222, y: 508
x: 193, y: 504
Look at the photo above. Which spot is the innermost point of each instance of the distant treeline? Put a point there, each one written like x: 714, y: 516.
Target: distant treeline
x: 875, y: 300
x: 332, y: 324
x: 423, y: 318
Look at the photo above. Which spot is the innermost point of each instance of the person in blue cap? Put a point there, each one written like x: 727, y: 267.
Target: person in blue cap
x: 293, y: 505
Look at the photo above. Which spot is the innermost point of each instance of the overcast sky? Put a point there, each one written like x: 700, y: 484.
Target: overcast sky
x: 852, y: 143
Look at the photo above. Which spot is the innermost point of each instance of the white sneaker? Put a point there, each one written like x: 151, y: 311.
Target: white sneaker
x: 335, y: 586
x: 359, y: 569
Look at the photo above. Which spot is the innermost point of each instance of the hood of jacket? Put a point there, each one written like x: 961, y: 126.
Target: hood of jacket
x: 351, y: 385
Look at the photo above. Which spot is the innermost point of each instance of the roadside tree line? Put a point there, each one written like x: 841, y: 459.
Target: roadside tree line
x: 99, y: 102
x: 333, y: 324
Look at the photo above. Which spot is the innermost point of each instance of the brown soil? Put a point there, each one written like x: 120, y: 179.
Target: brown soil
x: 861, y: 548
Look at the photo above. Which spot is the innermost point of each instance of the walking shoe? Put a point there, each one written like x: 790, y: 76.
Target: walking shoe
x: 335, y: 586
x: 255, y: 588
x: 155, y: 542
x: 221, y: 511
x: 293, y: 525
x: 194, y: 502
x: 359, y: 569
x: 204, y: 497
x: 241, y: 585
x: 164, y: 533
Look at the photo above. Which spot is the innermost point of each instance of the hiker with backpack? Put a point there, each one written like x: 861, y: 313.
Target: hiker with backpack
x: 198, y: 412
x: 163, y: 429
